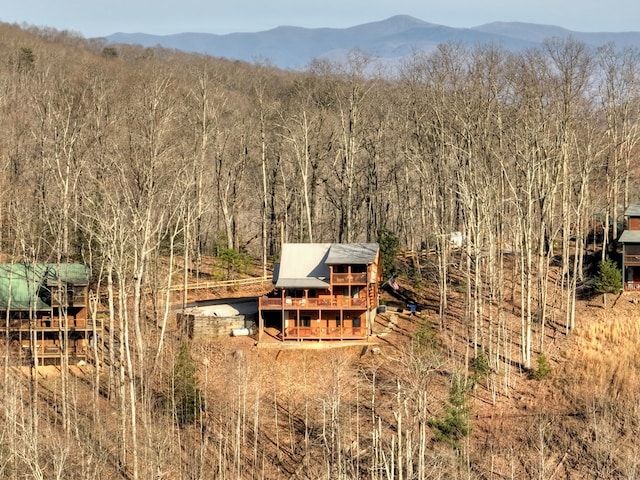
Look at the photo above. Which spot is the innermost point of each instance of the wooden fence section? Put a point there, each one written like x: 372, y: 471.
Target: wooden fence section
x: 179, y: 287
x: 243, y: 282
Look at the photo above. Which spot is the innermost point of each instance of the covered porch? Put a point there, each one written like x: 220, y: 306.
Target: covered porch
x: 299, y: 324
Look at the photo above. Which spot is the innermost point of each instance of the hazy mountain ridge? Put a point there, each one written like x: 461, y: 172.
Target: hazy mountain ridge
x: 390, y: 40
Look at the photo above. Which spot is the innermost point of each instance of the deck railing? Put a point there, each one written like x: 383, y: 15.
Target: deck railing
x: 630, y: 259
x: 328, y: 301
x: 53, y: 324
x: 346, y: 278
x: 324, y: 332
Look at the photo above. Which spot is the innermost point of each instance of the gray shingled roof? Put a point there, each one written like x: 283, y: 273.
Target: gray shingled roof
x: 632, y: 210
x: 630, y: 236
x: 352, y: 253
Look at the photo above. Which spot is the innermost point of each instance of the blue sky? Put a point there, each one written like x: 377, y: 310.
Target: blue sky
x: 99, y: 18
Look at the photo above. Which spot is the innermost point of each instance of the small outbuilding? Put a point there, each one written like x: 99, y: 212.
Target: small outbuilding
x: 219, y: 320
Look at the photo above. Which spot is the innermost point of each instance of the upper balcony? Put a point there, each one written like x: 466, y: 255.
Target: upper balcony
x: 51, y: 324
x: 349, y: 278
x: 632, y: 259
x: 68, y: 296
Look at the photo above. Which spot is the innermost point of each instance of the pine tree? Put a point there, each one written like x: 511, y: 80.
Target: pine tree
x: 609, y: 279
x: 186, y: 393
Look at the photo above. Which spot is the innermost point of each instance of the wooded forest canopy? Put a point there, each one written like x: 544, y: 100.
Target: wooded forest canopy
x: 116, y: 156
x: 493, y: 143
x: 113, y: 153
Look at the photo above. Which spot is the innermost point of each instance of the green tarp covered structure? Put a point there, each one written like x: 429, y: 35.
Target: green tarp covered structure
x: 26, y: 286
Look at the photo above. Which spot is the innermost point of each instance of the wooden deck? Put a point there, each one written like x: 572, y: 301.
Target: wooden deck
x: 272, y: 339
x: 328, y: 301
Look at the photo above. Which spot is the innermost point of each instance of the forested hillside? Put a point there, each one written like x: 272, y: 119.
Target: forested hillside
x: 147, y: 164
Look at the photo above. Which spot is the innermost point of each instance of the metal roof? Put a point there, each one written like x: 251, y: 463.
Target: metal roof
x: 630, y: 236
x: 220, y: 310
x: 302, y: 262
x: 26, y: 286
x: 302, y: 283
x: 306, y: 265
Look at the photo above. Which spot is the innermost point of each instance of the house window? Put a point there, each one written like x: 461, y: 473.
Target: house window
x: 356, y: 322
x: 79, y: 295
x: 305, y: 321
x: 337, y: 320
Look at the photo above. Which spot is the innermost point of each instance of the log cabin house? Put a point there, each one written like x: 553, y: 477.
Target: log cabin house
x: 46, y: 310
x: 322, y: 291
x: 630, y: 240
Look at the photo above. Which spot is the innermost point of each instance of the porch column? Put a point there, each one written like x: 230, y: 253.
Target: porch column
x: 624, y: 268
x: 282, y: 297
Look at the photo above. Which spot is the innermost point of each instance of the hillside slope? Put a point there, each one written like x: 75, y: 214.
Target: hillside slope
x: 309, y: 411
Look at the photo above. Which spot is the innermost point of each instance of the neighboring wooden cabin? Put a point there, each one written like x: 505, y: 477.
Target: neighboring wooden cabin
x: 46, y: 310
x: 323, y: 291
x: 630, y: 240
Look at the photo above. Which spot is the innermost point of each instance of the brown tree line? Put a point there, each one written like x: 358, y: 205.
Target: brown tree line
x: 121, y: 157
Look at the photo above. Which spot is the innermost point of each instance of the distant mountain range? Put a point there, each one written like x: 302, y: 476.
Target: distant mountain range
x: 388, y: 41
